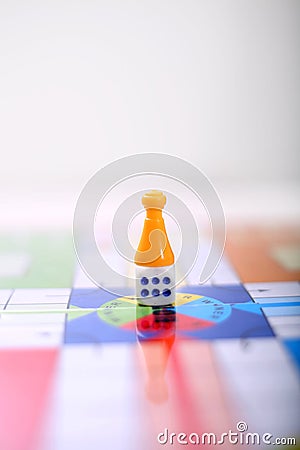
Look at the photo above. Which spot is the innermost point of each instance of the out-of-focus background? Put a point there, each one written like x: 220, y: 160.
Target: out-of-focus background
x: 85, y: 82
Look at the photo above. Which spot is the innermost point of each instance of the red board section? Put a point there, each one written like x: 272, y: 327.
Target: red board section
x: 183, y: 323
x: 189, y: 323
x: 25, y: 379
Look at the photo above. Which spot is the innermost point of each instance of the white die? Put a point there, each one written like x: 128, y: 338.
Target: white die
x: 155, y: 286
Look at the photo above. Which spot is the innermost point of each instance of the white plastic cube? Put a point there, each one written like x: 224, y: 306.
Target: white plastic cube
x: 155, y: 286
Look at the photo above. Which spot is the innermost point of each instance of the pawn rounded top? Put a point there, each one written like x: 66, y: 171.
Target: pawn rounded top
x: 154, y: 199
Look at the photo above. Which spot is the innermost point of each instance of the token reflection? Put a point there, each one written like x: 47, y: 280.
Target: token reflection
x: 156, y: 328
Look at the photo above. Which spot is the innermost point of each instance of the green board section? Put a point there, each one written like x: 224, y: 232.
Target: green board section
x: 39, y: 260
x: 74, y: 312
x: 119, y: 312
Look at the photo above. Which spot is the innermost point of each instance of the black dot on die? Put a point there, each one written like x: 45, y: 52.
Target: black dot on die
x: 144, y: 281
x: 155, y: 292
x: 144, y: 292
x: 166, y: 280
x: 155, y: 280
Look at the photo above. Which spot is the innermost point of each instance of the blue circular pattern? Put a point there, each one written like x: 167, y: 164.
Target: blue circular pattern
x: 144, y: 292
x: 166, y: 280
x: 144, y: 281
x: 166, y: 292
x: 155, y: 292
x: 155, y: 280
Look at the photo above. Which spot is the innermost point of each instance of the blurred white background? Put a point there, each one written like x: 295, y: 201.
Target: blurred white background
x: 215, y: 82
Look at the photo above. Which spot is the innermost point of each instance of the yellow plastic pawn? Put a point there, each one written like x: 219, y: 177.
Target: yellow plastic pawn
x: 154, y: 259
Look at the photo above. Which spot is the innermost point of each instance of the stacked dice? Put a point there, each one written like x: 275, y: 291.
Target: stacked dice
x: 154, y: 259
